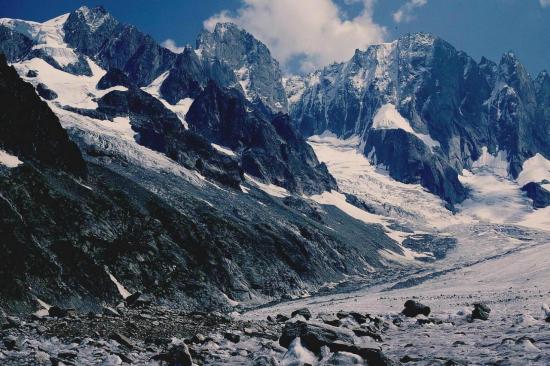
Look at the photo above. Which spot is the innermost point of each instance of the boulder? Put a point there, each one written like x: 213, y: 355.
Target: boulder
x: 232, y: 337
x: 413, y: 308
x: 109, y: 311
x: 177, y: 356
x: 122, y: 339
x: 137, y: 300
x: 280, y: 318
x: 313, y: 336
x: 342, y: 359
x: 12, y: 322
x: 264, y: 360
x: 373, y: 356
x: 481, y: 311
x: 364, y: 332
x: 11, y: 342
x: 303, y: 312
x: 32, y: 73
x: 57, y: 312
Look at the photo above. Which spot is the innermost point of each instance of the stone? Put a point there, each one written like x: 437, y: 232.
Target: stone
x: 109, y: 311
x: 12, y: 322
x: 413, y: 308
x: 313, y: 336
x: 481, y: 311
x: 303, y: 312
x: 57, y: 312
x: 343, y: 359
x: 32, y: 73
x: 11, y: 342
x: 280, y: 318
x: 232, y: 337
x: 264, y: 360
x: 122, y: 339
x: 373, y: 356
x: 177, y: 356
x: 364, y: 332
x: 198, y: 339
x: 137, y: 300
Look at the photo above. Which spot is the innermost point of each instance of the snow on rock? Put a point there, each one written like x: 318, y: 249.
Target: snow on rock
x: 121, y: 289
x: 408, y: 203
x: 271, y: 189
x: 180, y: 108
x: 117, y: 138
x: 495, y: 164
x: 298, y: 355
x: 535, y: 169
x: 388, y: 118
x: 497, y: 198
x: 8, y: 160
x: 223, y: 150
x: 77, y: 91
x: 48, y: 36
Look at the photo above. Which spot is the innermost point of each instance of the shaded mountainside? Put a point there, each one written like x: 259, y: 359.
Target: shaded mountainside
x: 155, y: 223
x: 454, y: 104
x: 30, y: 130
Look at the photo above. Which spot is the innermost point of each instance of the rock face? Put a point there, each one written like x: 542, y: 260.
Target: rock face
x: 256, y: 70
x: 14, y: 45
x: 539, y: 195
x: 96, y: 33
x: 446, y: 106
x: 30, y: 130
x: 270, y: 150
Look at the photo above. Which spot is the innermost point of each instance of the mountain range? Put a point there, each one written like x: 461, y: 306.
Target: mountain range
x: 196, y: 177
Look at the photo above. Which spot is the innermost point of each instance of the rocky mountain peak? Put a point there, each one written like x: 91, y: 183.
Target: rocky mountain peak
x: 93, y: 18
x: 257, y: 72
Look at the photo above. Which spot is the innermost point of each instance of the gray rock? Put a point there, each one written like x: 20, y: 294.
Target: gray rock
x: 413, y: 308
x: 303, y: 312
x: 177, y: 356
x: 109, y: 311
x: 313, y: 336
x: 11, y: 342
x: 481, y: 311
x: 250, y: 60
x: 122, y: 339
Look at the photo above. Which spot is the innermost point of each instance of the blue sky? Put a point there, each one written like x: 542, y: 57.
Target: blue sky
x: 331, y: 29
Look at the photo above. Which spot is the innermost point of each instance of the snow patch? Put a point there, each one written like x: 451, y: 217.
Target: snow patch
x: 121, y: 289
x: 77, y: 91
x: 535, y: 169
x: 496, y: 164
x: 48, y: 36
x: 8, y: 160
x: 388, y: 118
x: 271, y: 189
x: 180, y: 108
x: 223, y: 150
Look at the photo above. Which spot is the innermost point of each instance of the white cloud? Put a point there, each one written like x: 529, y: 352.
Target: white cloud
x: 544, y: 3
x: 405, y: 12
x: 171, y: 45
x: 314, y: 31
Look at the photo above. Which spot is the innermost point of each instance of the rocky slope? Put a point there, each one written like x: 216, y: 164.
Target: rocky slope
x: 176, y: 200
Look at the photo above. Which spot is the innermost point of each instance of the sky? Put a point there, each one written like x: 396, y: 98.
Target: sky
x: 307, y: 34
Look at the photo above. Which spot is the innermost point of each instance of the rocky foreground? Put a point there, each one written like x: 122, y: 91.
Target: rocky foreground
x: 138, y: 333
